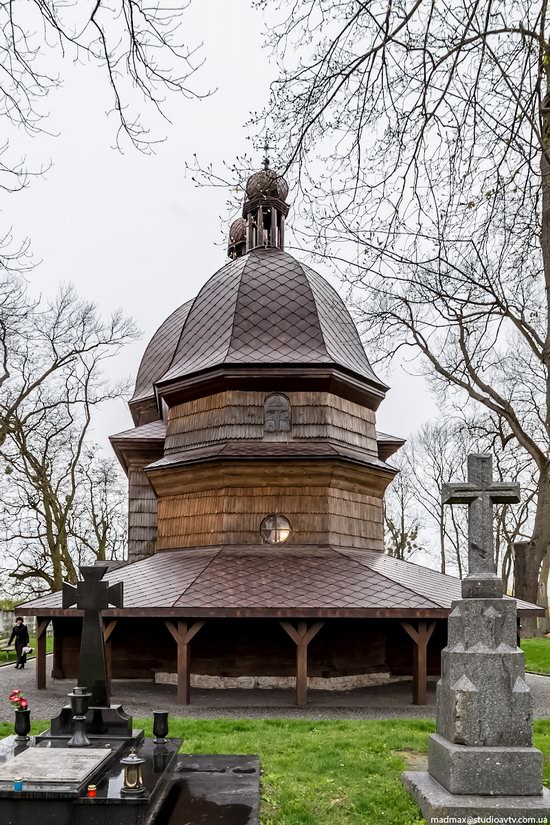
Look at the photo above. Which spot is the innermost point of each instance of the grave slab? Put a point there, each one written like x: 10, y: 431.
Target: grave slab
x: 38, y: 767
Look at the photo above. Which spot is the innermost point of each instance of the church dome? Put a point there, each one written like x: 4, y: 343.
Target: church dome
x: 237, y: 231
x: 265, y: 309
x: 266, y: 183
x: 158, y: 353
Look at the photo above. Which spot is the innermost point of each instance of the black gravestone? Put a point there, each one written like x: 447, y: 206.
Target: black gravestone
x: 92, y: 595
x: 178, y: 789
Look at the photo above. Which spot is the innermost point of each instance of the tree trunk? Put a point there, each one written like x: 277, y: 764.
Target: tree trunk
x: 528, y: 556
x: 543, y: 623
x: 442, y: 539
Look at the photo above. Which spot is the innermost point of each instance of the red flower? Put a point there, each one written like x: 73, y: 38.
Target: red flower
x: 18, y: 700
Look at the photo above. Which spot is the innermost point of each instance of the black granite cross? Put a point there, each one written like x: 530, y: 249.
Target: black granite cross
x: 92, y: 596
x: 480, y: 493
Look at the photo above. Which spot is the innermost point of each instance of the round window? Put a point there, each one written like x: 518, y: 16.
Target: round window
x: 275, y: 529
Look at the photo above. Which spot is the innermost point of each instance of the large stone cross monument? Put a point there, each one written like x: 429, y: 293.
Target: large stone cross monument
x: 480, y: 760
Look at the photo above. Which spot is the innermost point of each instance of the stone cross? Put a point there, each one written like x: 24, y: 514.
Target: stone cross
x: 92, y: 596
x: 480, y: 493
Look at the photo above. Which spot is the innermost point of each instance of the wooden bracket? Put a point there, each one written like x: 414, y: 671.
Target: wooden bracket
x: 301, y: 636
x: 183, y: 635
x: 108, y: 629
x: 420, y: 637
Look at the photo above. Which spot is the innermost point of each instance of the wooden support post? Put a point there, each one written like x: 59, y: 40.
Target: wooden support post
x: 58, y: 637
x: 107, y: 632
x: 183, y: 635
x: 41, y: 627
x: 420, y: 637
x: 301, y: 636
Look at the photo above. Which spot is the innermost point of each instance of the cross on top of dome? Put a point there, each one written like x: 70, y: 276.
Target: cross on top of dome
x: 264, y: 211
x: 266, y: 151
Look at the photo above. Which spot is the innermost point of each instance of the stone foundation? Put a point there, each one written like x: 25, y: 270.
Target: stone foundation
x: 337, y: 683
x: 436, y: 802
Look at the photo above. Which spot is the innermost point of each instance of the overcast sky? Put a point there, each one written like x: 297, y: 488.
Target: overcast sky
x: 133, y: 231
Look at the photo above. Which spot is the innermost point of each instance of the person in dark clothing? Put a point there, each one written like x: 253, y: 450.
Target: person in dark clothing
x: 21, y: 636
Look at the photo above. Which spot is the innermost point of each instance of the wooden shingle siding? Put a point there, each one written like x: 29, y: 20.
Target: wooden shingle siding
x: 142, y: 515
x: 232, y: 515
x: 240, y: 415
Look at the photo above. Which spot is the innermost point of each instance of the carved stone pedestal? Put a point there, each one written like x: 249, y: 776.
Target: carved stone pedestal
x: 481, y: 760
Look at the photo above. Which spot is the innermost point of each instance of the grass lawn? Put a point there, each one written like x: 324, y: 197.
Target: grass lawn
x: 323, y: 773
x: 10, y: 655
x: 537, y: 654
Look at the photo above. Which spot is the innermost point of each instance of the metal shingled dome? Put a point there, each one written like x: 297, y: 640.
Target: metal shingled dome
x: 159, y: 353
x: 263, y: 308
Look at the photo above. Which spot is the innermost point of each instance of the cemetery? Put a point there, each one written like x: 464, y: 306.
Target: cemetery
x: 93, y: 766
x: 202, y: 496
x: 287, y: 593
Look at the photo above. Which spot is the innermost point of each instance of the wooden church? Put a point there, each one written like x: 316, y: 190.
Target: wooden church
x: 256, y: 480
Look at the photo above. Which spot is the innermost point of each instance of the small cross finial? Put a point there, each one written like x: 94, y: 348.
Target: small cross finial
x: 266, y: 151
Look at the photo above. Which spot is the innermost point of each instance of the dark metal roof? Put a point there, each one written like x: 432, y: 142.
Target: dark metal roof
x: 154, y: 431
x: 159, y: 353
x: 386, y: 438
x: 261, y: 580
x: 388, y: 444
x: 263, y: 308
x: 270, y: 450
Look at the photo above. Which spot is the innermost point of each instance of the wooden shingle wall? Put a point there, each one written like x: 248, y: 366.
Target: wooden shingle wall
x: 324, y: 502
x: 317, y: 416
x: 232, y: 515
x: 142, y: 515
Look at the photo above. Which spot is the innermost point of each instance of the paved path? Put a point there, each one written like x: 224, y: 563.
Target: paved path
x: 140, y: 698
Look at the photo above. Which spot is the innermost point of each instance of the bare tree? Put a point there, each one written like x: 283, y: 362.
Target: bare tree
x: 98, y: 524
x: 400, y: 514
x: 419, y: 138
x: 436, y: 455
x: 137, y: 46
x: 53, y: 381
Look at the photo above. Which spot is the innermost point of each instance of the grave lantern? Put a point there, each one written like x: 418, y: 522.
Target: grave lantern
x: 133, y: 779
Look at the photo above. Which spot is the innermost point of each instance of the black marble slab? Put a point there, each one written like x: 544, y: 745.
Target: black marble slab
x: 213, y: 789
x: 70, y: 806
x: 180, y: 789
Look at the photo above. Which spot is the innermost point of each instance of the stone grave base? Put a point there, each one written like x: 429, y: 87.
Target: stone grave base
x: 436, y: 802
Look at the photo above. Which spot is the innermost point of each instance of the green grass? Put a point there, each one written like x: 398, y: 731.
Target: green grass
x: 10, y: 655
x: 537, y: 654
x: 315, y: 773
